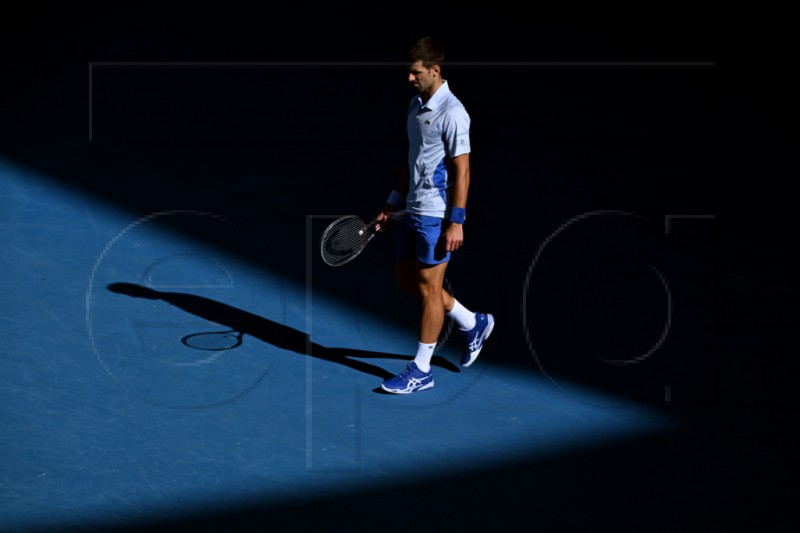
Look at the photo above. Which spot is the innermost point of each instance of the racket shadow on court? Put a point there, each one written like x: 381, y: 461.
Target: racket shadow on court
x: 241, y: 323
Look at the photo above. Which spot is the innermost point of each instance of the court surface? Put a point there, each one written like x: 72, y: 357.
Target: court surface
x: 153, y: 380
x: 113, y: 414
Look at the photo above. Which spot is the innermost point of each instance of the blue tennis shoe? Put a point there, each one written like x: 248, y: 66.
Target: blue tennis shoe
x: 484, y: 324
x: 410, y: 380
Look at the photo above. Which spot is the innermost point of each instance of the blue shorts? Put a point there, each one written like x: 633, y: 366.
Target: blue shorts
x: 419, y: 236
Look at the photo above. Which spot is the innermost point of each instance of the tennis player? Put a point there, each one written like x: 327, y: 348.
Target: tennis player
x: 432, y: 191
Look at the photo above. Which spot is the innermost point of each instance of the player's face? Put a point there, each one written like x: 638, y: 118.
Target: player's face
x: 421, y: 78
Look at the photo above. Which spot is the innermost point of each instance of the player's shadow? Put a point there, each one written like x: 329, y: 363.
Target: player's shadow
x: 266, y: 330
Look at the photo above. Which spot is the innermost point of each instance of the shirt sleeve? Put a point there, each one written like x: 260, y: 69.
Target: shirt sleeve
x: 456, y: 132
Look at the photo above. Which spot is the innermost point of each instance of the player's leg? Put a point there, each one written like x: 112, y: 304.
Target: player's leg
x: 432, y: 261
x: 424, y: 282
x: 430, y: 279
x: 476, y: 326
x: 407, y: 280
x: 418, y: 240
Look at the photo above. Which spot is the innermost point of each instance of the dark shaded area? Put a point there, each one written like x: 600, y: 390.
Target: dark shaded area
x: 267, y: 146
x: 713, y: 476
x: 266, y: 330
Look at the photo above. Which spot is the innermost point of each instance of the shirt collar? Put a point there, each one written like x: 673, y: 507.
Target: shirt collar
x: 436, y: 98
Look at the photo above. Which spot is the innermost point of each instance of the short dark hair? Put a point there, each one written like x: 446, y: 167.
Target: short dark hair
x: 427, y: 50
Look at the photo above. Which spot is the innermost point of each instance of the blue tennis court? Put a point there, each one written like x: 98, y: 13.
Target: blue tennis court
x: 114, y: 414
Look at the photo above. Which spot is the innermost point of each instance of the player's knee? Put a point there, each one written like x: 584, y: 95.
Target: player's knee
x: 428, y: 291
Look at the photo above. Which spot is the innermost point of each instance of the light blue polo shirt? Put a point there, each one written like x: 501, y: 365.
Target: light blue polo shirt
x: 438, y: 131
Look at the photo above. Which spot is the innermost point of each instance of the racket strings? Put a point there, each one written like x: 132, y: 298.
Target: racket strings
x: 344, y: 239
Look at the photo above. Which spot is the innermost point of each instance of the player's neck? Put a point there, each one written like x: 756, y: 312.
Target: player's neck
x: 426, y: 95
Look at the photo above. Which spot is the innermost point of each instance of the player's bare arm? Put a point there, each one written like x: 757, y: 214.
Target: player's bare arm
x: 454, y: 234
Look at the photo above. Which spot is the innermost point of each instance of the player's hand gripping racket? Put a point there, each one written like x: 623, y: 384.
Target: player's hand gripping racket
x: 345, y: 238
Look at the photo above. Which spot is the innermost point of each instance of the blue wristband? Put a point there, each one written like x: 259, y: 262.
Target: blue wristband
x: 458, y: 215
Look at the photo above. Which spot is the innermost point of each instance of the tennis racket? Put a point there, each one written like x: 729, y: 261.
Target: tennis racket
x: 345, y: 238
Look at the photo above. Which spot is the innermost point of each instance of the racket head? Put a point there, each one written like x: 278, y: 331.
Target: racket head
x: 344, y: 239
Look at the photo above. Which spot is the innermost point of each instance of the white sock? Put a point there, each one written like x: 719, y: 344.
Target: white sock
x: 424, y: 355
x: 463, y: 316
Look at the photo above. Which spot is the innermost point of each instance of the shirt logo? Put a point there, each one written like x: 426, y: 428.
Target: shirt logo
x: 428, y: 122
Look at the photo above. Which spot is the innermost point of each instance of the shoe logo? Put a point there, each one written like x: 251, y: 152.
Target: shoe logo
x: 481, y: 336
x: 414, y: 383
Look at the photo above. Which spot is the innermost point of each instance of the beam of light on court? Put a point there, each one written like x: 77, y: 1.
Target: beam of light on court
x: 115, y: 410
